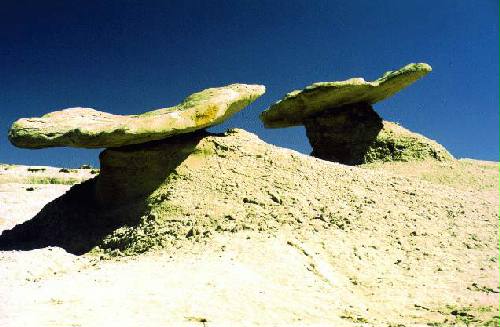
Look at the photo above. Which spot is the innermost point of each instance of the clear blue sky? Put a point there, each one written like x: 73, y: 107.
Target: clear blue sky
x: 132, y: 56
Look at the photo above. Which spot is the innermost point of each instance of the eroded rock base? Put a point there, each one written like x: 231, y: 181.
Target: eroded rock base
x: 396, y: 143
x: 356, y: 134
x: 344, y: 136
x: 133, y: 172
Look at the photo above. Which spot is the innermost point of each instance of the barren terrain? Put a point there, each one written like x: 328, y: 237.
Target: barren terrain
x: 396, y: 244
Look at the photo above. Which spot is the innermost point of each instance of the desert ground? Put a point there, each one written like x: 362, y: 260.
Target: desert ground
x: 414, y: 244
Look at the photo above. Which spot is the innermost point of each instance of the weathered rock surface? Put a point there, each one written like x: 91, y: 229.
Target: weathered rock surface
x: 299, y: 105
x: 396, y: 143
x: 342, y: 126
x: 157, y: 195
x: 89, y: 128
x: 356, y: 134
x: 131, y: 172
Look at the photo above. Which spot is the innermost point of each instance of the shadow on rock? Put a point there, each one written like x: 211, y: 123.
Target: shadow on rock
x: 344, y: 134
x: 80, y: 219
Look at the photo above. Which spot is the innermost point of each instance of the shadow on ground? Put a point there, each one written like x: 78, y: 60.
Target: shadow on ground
x: 80, y: 219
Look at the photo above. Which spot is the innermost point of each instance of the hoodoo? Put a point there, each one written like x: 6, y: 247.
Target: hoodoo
x: 342, y: 126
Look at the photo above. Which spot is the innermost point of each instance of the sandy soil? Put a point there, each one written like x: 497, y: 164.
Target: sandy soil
x: 434, y: 273
x: 24, y: 190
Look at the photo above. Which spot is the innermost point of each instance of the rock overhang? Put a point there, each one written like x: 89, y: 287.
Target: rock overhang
x: 90, y: 128
x: 299, y: 105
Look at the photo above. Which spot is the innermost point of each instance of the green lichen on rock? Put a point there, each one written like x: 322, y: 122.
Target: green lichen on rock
x: 395, y: 143
x: 298, y: 105
x: 89, y: 128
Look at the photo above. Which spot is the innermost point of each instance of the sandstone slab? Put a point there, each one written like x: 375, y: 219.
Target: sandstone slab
x: 299, y: 105
x: 89, y: 128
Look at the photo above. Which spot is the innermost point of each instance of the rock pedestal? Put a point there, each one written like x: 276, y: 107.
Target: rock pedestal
x: 346, y: 136
x: 342, y: 126
x: 356, y: 135
x: 132, y: 172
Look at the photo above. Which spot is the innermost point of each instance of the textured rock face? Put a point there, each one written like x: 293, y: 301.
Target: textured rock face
x: 89, y: 128
x: 396, y: 143
x: 298, y: 105
x: 356, y: 134
x: 345, y: 136
x: 227, y: 183
x: 345, y: 239
x: 342, y: 126
x: 131, y: 172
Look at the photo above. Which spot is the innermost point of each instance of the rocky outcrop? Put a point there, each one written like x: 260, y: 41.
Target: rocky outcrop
x: 131, y: 172
x: 396, y: 143
x: 299, y: 105
x: 89, y: 128
x: 342, y: 126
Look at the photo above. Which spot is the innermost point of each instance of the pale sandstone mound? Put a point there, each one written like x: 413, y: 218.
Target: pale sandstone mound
x: 396, y: 143
x: 89, y: 128
x: 299, y: 105
x: 163, y: 193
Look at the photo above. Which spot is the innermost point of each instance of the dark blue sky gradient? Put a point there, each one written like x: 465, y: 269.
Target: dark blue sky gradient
x: 133, y: 56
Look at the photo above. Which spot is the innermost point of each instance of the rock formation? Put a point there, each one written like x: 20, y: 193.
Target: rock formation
x: 192, y: 186
x: 89, y: 128
x: 145, y: 152
x: 226, y: 206
x: 342, y: 126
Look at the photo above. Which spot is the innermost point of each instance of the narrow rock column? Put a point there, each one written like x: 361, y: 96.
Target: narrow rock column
x: 343, y: 134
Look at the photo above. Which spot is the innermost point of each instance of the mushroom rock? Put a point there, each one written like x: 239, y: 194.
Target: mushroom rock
x: 318, y: 97
x: 342, y: 126
x: 89, y: 128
